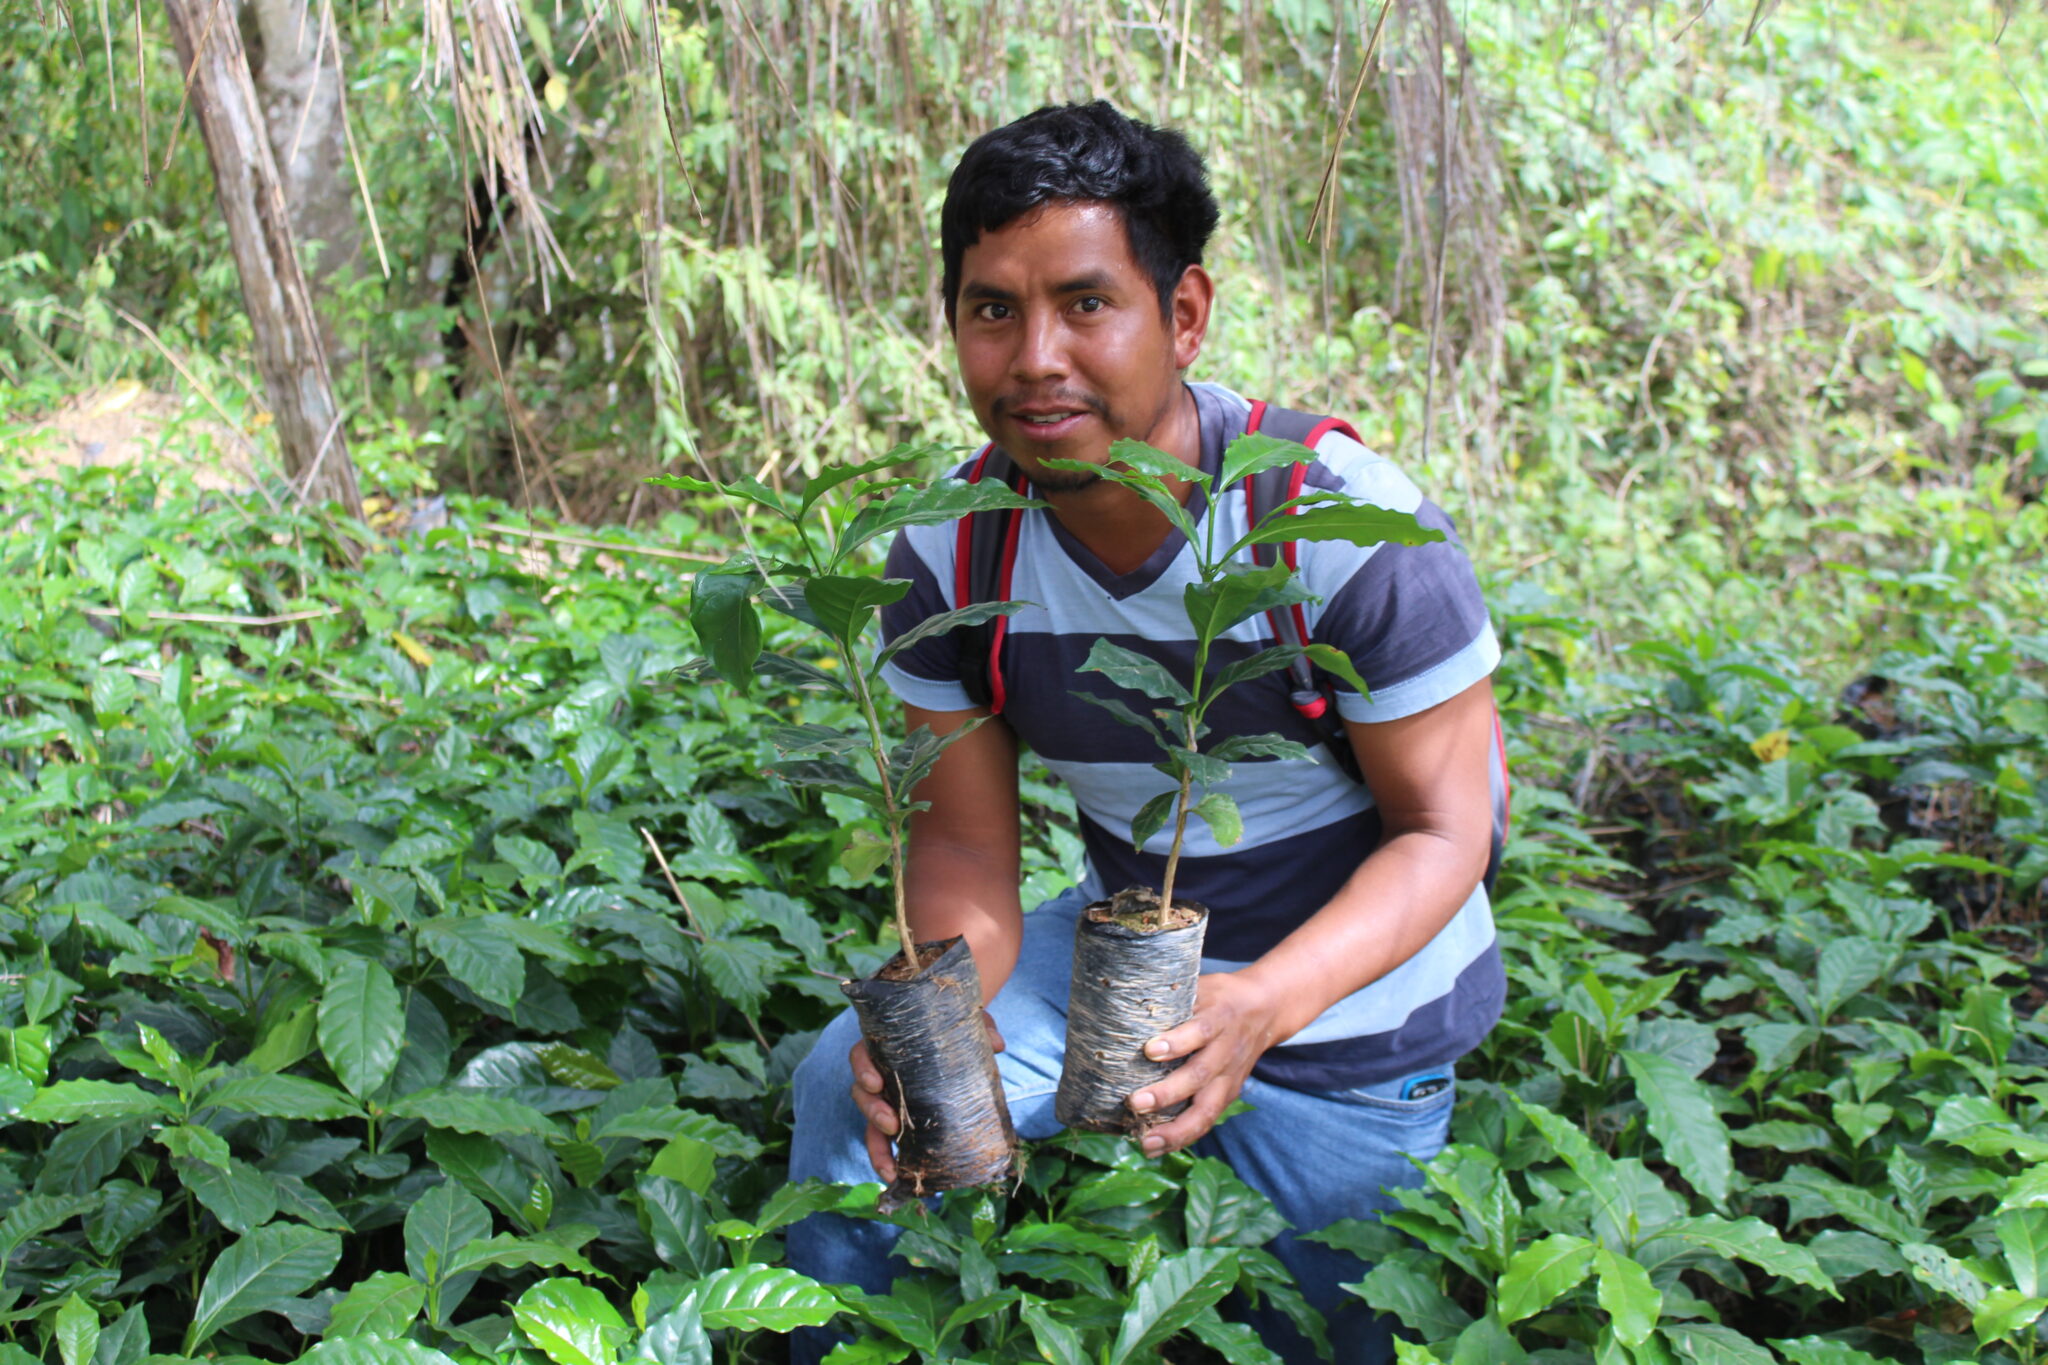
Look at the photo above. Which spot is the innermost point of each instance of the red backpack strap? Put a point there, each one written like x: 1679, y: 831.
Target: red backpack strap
x: 1268, y: 490
x: 984, y: 561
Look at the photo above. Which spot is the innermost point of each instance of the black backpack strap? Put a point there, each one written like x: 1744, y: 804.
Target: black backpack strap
x: 984, y: 553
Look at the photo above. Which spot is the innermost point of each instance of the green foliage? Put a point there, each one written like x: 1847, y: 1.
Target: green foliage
x: 1224, y: 592
x: 841, y: 606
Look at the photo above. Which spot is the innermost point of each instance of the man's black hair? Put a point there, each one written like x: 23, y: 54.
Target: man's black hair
x: 1083, y: 152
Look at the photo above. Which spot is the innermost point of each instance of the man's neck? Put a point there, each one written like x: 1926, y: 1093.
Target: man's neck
x: 1118, y: 526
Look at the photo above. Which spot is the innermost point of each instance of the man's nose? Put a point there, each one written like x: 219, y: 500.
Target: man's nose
x: 1041, y: 349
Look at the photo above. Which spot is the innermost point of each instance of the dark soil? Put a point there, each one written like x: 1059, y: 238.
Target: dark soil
x: 1137, y: 908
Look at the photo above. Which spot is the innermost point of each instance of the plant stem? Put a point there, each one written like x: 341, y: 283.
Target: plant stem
x: 878, y: 748
x: 1180, y: 829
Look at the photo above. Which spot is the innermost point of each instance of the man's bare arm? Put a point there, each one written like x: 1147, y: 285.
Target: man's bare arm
x: 1429, y: 774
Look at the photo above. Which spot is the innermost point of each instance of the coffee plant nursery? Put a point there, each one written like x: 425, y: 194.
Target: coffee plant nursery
x: 420, y: 978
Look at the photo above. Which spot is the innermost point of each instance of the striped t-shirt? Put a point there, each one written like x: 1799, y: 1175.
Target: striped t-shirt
x: 1412, y: 622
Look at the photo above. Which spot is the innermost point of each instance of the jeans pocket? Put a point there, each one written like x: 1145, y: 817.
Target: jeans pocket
x: 1426, y: 1096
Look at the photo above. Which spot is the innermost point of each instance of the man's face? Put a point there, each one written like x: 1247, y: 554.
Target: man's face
x: 1061, y: 342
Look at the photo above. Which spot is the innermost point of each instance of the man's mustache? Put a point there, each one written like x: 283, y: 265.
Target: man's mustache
x: 1006, y: 406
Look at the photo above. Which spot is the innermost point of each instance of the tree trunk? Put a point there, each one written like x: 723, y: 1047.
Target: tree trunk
x: 292, y: 60
x: 281, y: 317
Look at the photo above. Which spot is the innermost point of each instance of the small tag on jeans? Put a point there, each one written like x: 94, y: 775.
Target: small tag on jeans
x: 1424, y: 1086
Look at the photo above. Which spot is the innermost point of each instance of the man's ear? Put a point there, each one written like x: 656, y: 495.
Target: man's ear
x: 1189, y: 314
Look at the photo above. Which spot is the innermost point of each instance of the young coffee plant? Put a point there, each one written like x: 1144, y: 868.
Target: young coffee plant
x: 921, y: 1014
x: 1228, y: 589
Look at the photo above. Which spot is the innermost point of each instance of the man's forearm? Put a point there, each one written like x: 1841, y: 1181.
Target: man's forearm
x: 958, y: 890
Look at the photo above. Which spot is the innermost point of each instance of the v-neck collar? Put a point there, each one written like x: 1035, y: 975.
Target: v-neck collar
x: 1211, y: 420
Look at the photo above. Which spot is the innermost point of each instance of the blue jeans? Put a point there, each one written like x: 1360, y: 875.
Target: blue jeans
x: 1319, y: 1157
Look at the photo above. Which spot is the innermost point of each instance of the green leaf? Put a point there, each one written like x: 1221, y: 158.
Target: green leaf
x: 1706, y: 1344
x: 1269, y: 660
x: 478, y: 955
x: 1225, y: 820
x: 1630, y: 1301
x: 2006, y: 1315
x: 1123, y: 714
x: 573, y: 1066
x: 2024, y: 1235
x: 844, y: 605
x: 482, y: 1166
x: 1406, y: 1285
x: 196, y: 1142
x: 281, y: 1097
x: 35, y: 1214
x: 440, y: 1223
x: 1542, y: 1271
x: 472, y: 1113
x: 764, y: 1298
x: 369, y: 1350
x: 258, y: 1272
x: 71, y: 1101
x: 1944, y: 1274
x: 1335, y: 661
x: 1821, y: 1351
x: 1241, y: 591
x: 125, y: 1341
x: 362, y: 1024
x: 945, y: 500
x: 1143, y: 470
x: 1754, y: 1241
x: 939, y: 623
x: 1325, y: 518
x: 1236, y: 748
x: 675, y: 1338
x: 1683, y: 1118
x: 832, y: 476
x: 571, y: 1323
x: 239, y: 1196
x: 78, y: 1330
x: 727, y: 625
x: 1254, y: 453
x: 1057, y: 1342
x: 678, y: 1223
x: 1236, y: 1342
x: 1134, y: 671
x: 1169, y: 1298
x: 513, y: 1253
x: 1152, y: 817
x: 126, y: 1208
x: 384, y: 1305
x: 1977, y: 1125
x: 1224, y: 1211
x: 687, y: 1161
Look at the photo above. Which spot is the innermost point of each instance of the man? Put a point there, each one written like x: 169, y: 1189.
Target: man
x: 1350, y: 955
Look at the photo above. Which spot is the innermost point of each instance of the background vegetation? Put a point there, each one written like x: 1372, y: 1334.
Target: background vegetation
x: 402, y: 964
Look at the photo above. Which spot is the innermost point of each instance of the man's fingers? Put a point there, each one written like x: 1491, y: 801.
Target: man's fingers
x: 1196, y: 1034
x: 1179, y: 1084
x: 880, y: 1157
x: 995, y: 1035
x: 876, y: 1111
x: 866, y: 1075
x: 1187, y: 1128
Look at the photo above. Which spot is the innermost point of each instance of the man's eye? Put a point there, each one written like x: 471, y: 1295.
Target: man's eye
x: 1092, y: 303
x: 992, y: 312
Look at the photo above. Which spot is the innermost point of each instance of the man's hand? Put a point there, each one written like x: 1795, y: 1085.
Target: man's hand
x: 1233, y: 1025
x: 867, y: 1097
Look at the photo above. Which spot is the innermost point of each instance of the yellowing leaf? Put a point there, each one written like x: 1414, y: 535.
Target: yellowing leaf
x: 412, y: 649
x: 258, y: 421
x: 119, y: 395
x: 1772, y: 747
x: 556, y: 93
